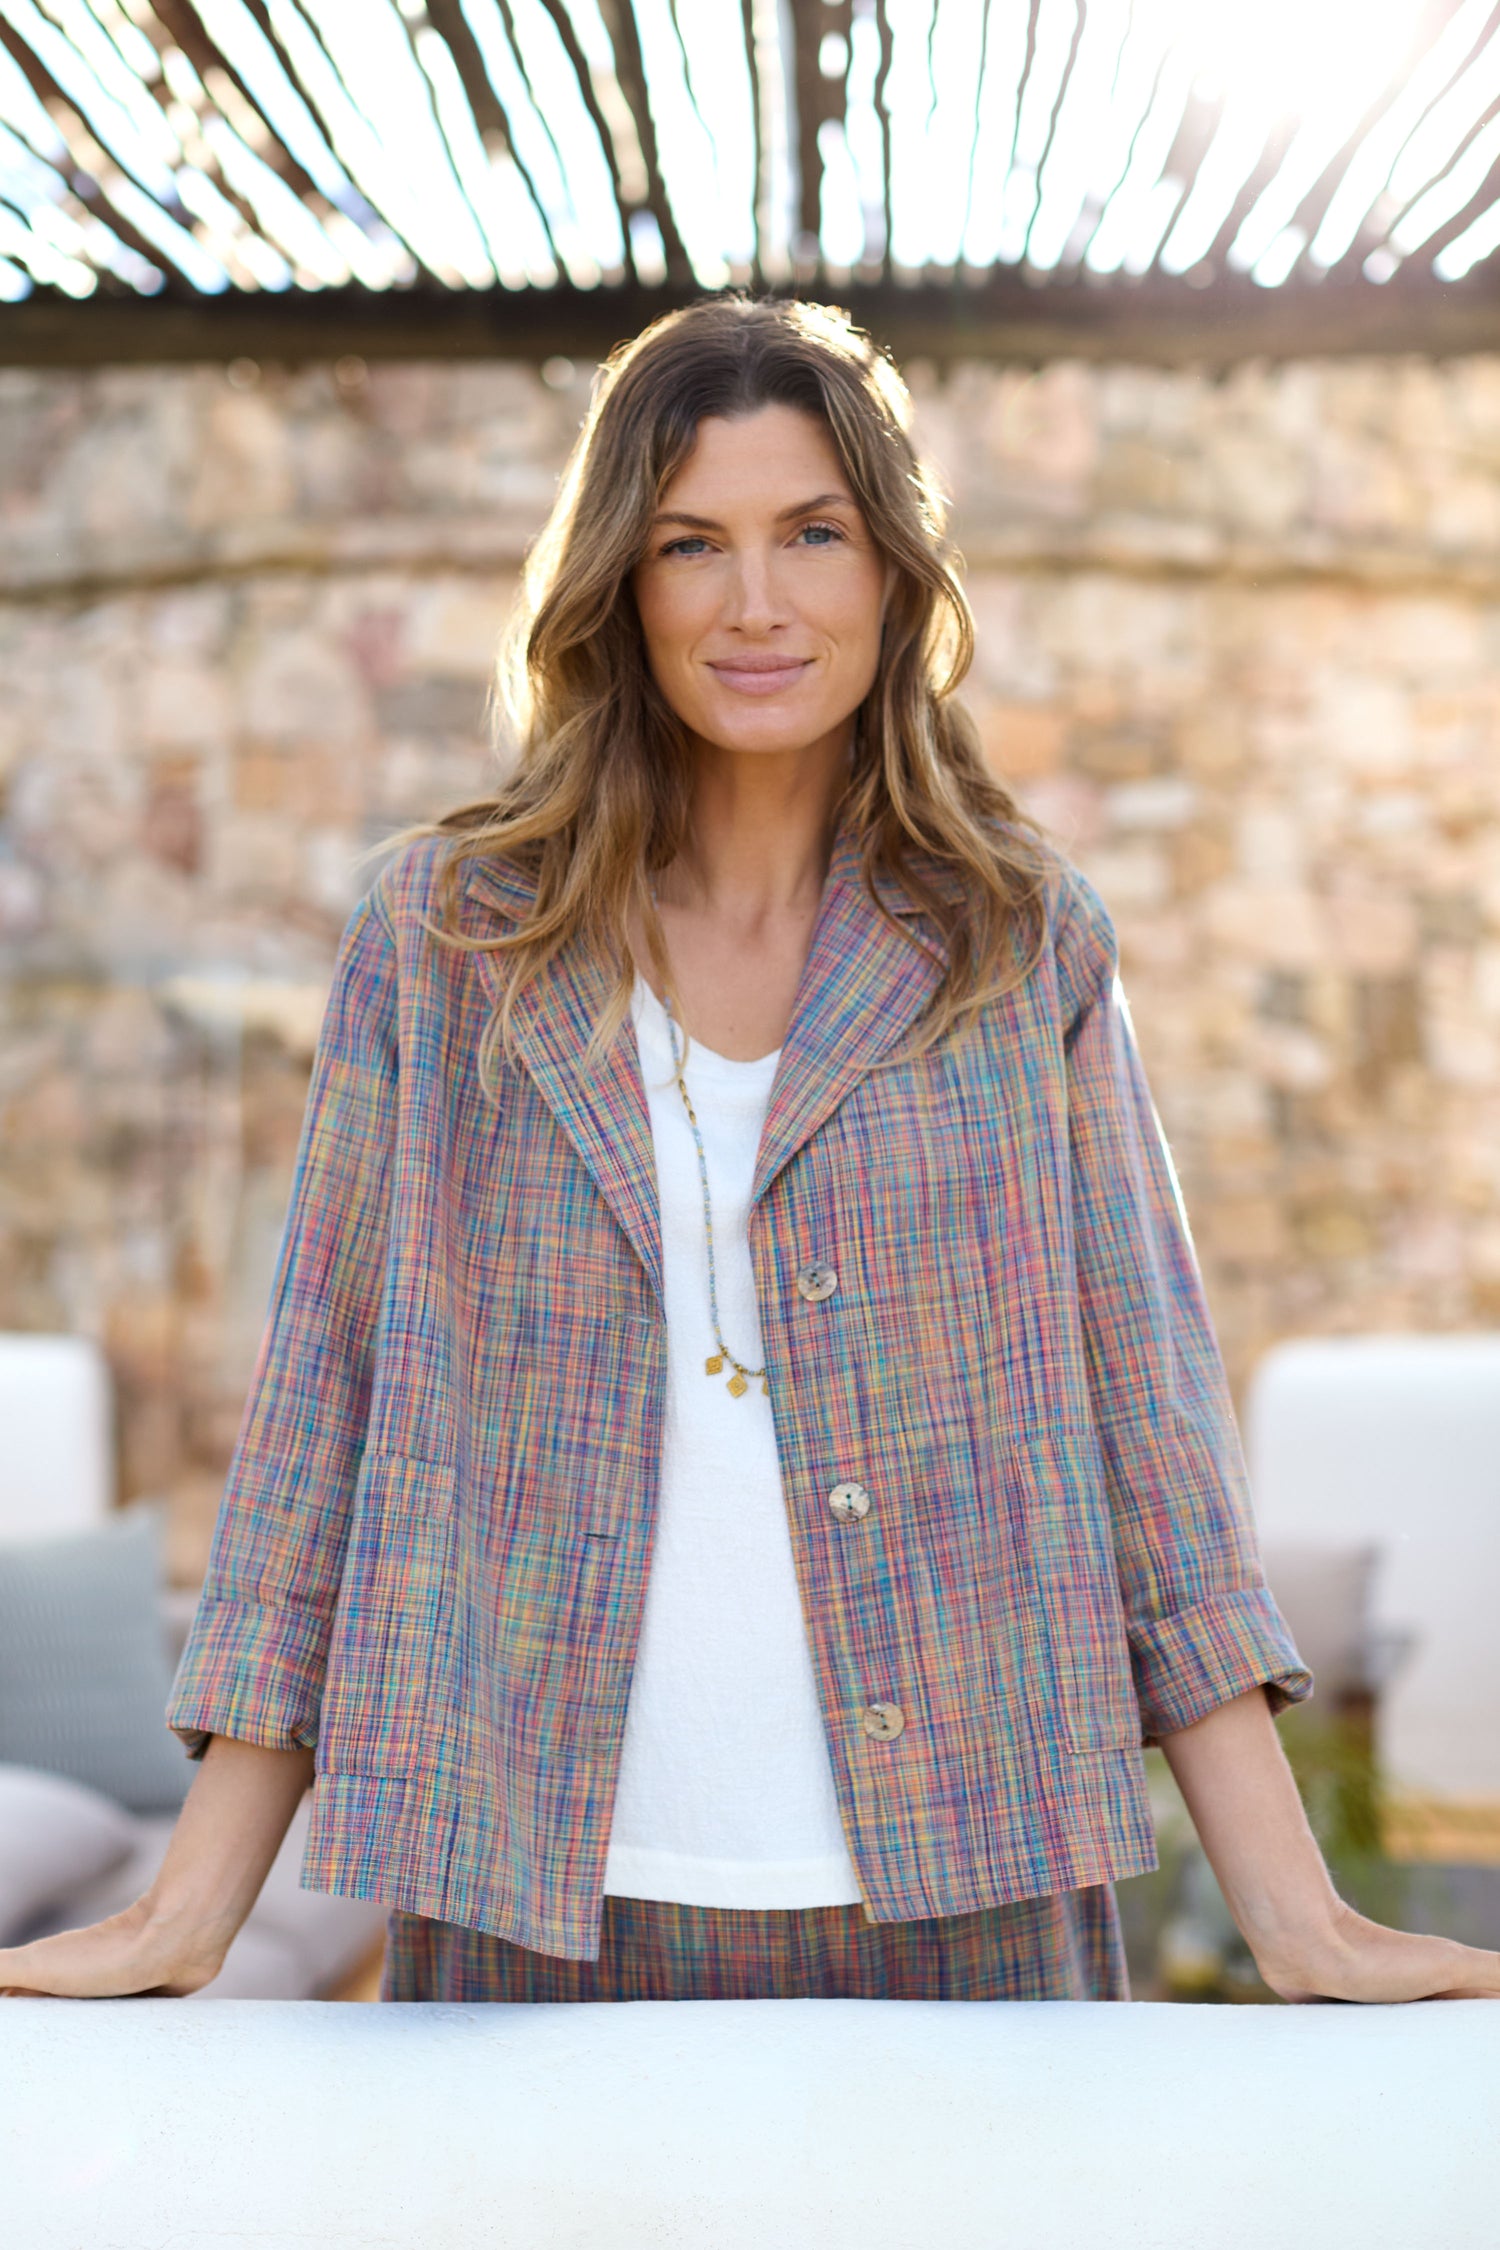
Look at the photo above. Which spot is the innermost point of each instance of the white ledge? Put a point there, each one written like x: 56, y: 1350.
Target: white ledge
x: 770, y: 2125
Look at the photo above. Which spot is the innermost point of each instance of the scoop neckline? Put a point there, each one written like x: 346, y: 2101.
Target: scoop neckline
x: 647, y: 1001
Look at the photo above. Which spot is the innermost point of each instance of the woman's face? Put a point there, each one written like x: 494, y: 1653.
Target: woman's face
x: 761, y: 591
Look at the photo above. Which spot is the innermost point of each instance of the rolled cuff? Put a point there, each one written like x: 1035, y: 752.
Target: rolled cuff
x: 251, y: 1672
x: 1187, y: 1664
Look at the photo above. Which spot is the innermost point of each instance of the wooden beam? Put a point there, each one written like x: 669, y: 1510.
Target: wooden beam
x: 1155, y: 322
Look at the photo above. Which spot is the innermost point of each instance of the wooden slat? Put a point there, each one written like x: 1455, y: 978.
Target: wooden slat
x: 883, y: 113
x: 1129, y: 157
x: 447, y: 17
x: 97, y: 197
x: 563, y: 24
x: 181, y: 21
x: 747, y: 33
x: 204, y: 55
x: 1080, y: 18
x: 1191, y: 143
x: 812, y: 19
x: 1478, y: 202
x: 1462, y: 220
x: 262, y: 15
x: 630, y: 70
x: 1314, y: 206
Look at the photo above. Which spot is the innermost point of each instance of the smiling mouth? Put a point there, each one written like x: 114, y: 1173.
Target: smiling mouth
x: 760, y: 675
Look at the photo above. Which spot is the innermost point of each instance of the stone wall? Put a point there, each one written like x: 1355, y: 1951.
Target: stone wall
x: 1237, y: 648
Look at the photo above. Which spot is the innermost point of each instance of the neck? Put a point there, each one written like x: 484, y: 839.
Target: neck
x: 760, y: 831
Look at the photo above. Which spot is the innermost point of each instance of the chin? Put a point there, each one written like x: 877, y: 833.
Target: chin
x: 763, y: 730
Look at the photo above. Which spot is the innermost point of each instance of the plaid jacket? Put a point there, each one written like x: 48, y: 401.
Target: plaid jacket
x: 434, y: 1542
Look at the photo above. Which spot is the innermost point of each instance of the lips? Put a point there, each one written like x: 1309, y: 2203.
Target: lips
x: 760, y: 675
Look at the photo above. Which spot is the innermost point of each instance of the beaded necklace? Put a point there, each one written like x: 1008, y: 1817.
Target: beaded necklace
x: 743, y: 1376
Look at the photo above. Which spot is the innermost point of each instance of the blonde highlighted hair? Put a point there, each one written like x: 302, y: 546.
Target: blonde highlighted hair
x: 597, y: 796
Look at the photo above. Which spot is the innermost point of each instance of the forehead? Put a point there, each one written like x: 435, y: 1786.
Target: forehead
x: 775, y: 454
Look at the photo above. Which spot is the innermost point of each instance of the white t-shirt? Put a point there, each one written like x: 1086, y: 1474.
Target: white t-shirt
x: 725, y: 1794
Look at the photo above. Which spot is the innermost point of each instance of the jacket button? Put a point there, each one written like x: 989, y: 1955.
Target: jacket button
x: 884, y: 1721
x: 817, y: 1281
x: 849, y: 1502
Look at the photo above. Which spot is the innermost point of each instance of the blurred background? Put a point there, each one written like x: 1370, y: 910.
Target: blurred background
x: 1200, y: 305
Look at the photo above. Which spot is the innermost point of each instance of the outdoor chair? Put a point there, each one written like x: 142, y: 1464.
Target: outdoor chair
x: 90, y: 1779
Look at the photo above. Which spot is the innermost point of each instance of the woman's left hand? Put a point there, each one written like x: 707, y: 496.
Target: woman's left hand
x: 1352, y: 1958
x: 1307, y: 1943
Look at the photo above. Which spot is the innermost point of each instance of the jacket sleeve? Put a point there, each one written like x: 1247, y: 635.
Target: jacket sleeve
x: 254, y: 1660
x: 1202, y: 1623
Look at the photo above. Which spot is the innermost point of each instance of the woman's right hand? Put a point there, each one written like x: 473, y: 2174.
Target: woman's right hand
x: 174, y: 1938
x: 133, y: 1953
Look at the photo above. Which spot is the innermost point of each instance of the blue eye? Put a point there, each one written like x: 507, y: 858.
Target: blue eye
x: 680, y: 546
x: 830, y: 531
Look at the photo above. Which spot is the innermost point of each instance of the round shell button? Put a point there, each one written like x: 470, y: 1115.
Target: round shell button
x: 817, y: 1281
x: 884, y: 1721
x: 849, y: 1502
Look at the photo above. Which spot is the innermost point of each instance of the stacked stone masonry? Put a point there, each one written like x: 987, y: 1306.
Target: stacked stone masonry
x: 1238, y: 648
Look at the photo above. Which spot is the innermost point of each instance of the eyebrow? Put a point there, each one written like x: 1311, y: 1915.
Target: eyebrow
x: 800, y: 508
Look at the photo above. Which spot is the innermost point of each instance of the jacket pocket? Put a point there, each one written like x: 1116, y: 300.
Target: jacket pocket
x: 1067, y: 1516
x: 388, y: 1651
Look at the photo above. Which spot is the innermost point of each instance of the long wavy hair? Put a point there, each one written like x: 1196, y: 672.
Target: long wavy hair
x: 595, y: 794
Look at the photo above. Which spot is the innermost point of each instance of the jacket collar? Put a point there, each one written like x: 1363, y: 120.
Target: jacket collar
x: 862, y: 986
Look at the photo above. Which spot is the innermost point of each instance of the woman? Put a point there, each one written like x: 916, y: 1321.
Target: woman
x: 739, y: 1463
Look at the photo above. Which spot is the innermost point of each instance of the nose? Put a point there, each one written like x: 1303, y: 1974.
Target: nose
x: 754, y: 599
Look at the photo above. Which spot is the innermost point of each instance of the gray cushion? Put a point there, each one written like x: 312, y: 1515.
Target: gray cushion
x: 84, y: 1671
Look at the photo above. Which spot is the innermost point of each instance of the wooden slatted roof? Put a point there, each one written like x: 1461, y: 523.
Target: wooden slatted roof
x: 1209, y: 176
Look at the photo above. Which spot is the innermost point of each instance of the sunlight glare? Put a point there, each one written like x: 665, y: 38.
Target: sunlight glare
x: 1042, y: 175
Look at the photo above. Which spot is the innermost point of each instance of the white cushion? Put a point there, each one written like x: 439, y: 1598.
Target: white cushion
x: 55, y: 1836
x: 57, y: 1471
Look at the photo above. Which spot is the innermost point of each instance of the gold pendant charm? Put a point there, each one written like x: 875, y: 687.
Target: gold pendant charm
x: 765, y: 1385
x: 737, y: 1385
x: 714, y: 1365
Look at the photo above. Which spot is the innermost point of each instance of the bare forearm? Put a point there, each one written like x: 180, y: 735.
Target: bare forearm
x: 231, y: 1827
x: 1307, y: 1942
x: 1238, y: 1787
x: 174, y: 1938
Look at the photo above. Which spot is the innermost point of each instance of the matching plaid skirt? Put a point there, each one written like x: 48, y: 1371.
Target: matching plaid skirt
x: 1064, y: 1947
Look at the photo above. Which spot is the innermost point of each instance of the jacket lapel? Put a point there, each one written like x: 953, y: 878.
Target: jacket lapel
x: 861, y: 988
x: 602, y: 1108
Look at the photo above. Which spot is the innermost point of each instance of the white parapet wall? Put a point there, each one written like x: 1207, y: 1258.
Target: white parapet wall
x: 1395, y: 1440
x: 770, y: 2125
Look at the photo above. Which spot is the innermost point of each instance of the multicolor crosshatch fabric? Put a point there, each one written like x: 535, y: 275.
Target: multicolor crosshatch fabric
x: 1066, y: 1947
x: 434, y: 1541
